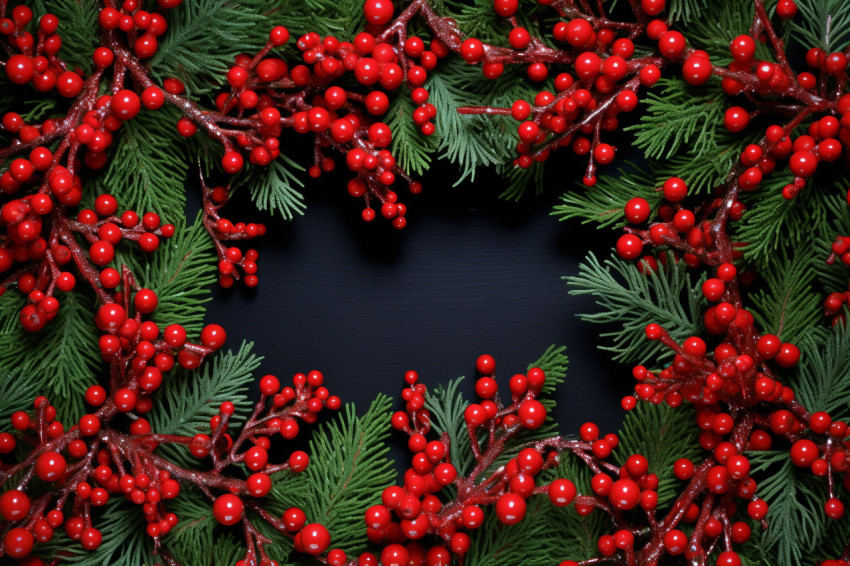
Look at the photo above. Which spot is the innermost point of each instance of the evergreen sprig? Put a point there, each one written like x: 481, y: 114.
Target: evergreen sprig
x: 630, y: 300
x: 273, y: 188
x: 62, y: 360
x: 348, y: 469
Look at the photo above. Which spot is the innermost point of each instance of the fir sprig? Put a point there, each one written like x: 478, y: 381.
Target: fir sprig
x: 61, y: 360
x: 631, y: 300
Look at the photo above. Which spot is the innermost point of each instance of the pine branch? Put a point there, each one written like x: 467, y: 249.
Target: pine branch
x: 469, y: 141
x: 411, y: 149
x: 823, y: 23
x: 204, y: 36
x: 192, y: 539
x: 795, y: 513
x: 677, y: 114
x: 147, y: 166
x: 17, y: 388
x: 632, y: 300
x: 714, y: 34
x: 180, y: 273
x: 821, y: 382
x: 603, y: 204
x: 517, y: 180
x: 446, y: 405
x: 187, y: 400
x: 685, y: 11
x: 78, y: 28
x: 125, y: 542
x: 773, y: 222
x: 788, y: 307
x: 273, y: 188
x: 62, y: 360
x: 348, y: 469
x: 705, y: 172
x: 663, y: 435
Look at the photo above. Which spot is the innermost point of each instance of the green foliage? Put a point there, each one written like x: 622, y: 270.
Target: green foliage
x: 663, y: 435
x: 677, y: 114
x: 822, y: 382
x: 631, y: 300
x: 772, y: 222
x: 788, y: 306
x: 795, y: 513
x: 348, y: 469
x: 273, y: 188
x: 61, y: 360
x: 823, y: 23
x: 147, y: 166
x: 684, y: 11
x: 180, y: 272
x: 192, y: 538
x: 705, y: 172
x: 412, y: 150
x: 204, y: 36
x: 446, y: 405
x: 188, y: 399
x: 77, y: 27
x: 125, y: 542
x: 517, y: 180
x: 603, y: 204
x: 325, y: 17
x: 17, y: 390
x: 714, y: 34
x: 470, y: 141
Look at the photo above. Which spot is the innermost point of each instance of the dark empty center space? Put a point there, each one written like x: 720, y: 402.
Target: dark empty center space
x: 469, y: 275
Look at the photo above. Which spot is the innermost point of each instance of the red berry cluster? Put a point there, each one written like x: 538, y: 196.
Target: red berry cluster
x: 409, y: 513
x: 99, y: 458
x: 42, y: 241
x: 599, y: 80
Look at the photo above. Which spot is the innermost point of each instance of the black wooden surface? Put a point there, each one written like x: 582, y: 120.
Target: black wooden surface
x: 470, y: 274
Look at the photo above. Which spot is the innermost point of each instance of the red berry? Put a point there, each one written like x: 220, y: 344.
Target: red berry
x: 50, y: 466
x: 19, y: 69
x: 228, y: 509
x: 510, y: 508
x: 14, y: 505
x: 736, y: 119
x: 378, y: 12
x: 532, y: 414
x: 18, y: 542
x: 804, y: 452
x: 624, y: 494
x: 485, y: 364
x: 315, y: 538
x: 629, y: 246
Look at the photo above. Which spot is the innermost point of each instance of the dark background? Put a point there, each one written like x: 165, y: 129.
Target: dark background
x: 470, y: 274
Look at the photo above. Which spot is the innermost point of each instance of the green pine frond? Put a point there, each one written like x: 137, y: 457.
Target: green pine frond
x: 554, y: 363
x: 788, y: 307
x: 348, y: 469
x: 411, y: 149
x: 728, y: 20
x: 273, y: 188
x: 191, y: 540
x: 446, y: 405
x: 204, y: 36
x: 631, y: 300
x: 822, y: 23
x: 227, y: 549
x: 677, y: 114
x: 663, y: 435
x: 685, y: 11
x: 821, y: 382
x: 774, y: 222
x: 325, y: 17
x: 180, y: 272
x: 62, y: 359
x: 18, y: 393
x: 125, y: 542
x: 795, y: 514
x: 705, y: 172
x: 517, y: 180
x: 188, y: 399
x: 470, y: 141
x: 147, y: 166
x: 603, y: 204
x: 77, y: 27
x: 832, y: 277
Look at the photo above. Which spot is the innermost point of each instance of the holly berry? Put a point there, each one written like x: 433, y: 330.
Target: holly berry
x: 315, y: 538
x: 14, y: 505
x: 50, y: 466
x: 510, y: 508
x: 228, y: 509
x: 378, y: 12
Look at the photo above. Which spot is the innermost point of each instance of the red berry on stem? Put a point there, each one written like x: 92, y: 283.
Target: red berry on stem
x: 228, y: 509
